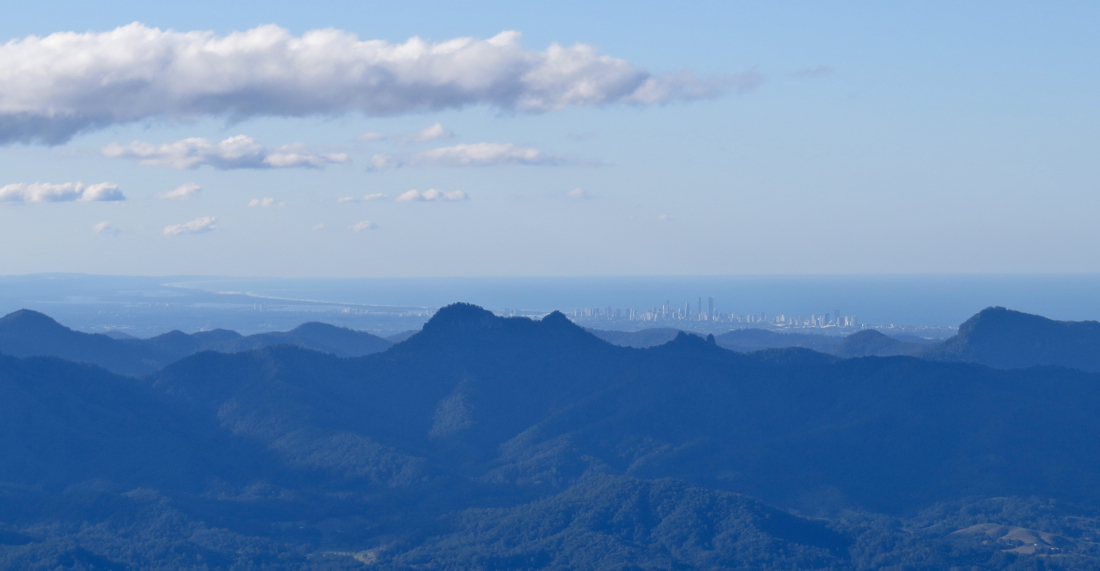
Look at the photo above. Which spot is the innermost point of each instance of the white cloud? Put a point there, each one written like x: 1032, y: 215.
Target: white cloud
x: 105, y: 228
x: 484, y: 154
x: 578, y: 193
x: 371, y: 196
x: 319, y: 227
x: 55, y: 86
x: 474, y: 155
x: 665, y: 218
x: 239, y: 152
x: 432, y: 195
x: 63, y: 192
x: 685, y: 86
x: 383, y: 161
x: 182, y: 192
x: 364, y: 225
x: 266, y: 202
x: 431, y: 133
x: 196, y: 226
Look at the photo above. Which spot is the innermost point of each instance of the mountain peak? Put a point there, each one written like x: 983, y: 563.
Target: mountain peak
x: 555, y: 318
x: 1000, y: 318
x: 316, y: 327
x: 1005, y: 338
x: 684, y: 339
x: 30, y: 319
x: 461, y: 315
x: 867, y: 343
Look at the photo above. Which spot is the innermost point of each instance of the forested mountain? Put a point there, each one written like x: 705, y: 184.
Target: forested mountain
x: 484, y: 442
x: 1003, y: 338
x: 27, y: 333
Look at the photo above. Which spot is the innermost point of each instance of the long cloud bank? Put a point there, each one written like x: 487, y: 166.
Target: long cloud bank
x: 63, y: 192
x: 238, y: 152
x: 475, y: 155
x: 56, y: 86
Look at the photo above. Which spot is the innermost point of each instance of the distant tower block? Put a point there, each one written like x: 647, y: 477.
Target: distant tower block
x: 710, y: 307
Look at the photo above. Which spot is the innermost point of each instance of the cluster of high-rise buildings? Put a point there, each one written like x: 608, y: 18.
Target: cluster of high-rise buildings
x: 670, y: 314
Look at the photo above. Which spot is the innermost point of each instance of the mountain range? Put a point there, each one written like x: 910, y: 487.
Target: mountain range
x: 483, y: 442
x: 996, y: 336
x: 27, y: 333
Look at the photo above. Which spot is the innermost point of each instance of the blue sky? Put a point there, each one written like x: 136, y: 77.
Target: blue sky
x: 929, y: 137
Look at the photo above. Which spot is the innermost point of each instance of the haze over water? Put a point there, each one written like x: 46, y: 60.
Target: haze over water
x: 157, y: 304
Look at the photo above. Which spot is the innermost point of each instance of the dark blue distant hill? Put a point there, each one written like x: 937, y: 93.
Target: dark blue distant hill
x: 27, y: 333
x: 870, y: 342
x: 1007, y: 339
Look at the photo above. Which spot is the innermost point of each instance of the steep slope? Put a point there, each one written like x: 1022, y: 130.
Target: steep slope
x: 1003, y: 338
x: 399, y: 337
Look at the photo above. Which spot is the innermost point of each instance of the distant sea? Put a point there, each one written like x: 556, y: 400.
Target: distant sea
x: 149, y: 305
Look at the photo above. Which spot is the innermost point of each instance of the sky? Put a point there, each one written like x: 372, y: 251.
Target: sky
x: 428, y: 139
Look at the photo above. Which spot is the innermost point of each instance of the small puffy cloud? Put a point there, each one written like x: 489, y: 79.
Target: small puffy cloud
x: 812, y: 72
x: 56, y: 86
x: 319, y: 227
x: 383, y: 161
x: 105, y: 228
x: 364, y: 225
x: 578, y: 193
x: 266, y: 202
x: 430, y: 133
x: 182, y: 192
x: 432, y: 195
x: 196, y: 226
x: 63, y: 192
x: 238, y: 152
x: 665, y: 218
